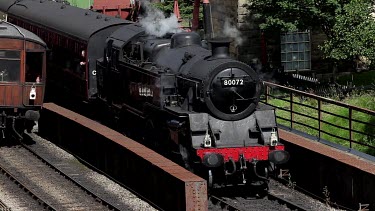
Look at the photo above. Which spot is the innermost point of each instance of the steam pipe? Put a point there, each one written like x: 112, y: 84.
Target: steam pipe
x: 255, y: 170
x: 195, y: 22
x: 234, y: 168
x: 207, y: 20
x: 176, y: 10
x: 14, y: 129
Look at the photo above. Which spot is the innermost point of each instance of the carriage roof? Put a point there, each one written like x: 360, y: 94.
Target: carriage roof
x: 73, y: 21
x: 8, y: 30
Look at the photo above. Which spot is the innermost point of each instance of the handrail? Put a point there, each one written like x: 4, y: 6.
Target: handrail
x: 327, y: 100
x: 319, y: 114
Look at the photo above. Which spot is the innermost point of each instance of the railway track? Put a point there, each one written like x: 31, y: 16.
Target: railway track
x: 97, y: 198
x: 104, y: 189
x: 26, y: 189
x: 291, y: 205
x: 278, y: 197
x: 50, y: 187
x: 224, y: 204
x: 4, y: 207
x: 253, y: 204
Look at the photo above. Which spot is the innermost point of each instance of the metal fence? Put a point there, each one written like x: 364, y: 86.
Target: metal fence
x: 322, y: 117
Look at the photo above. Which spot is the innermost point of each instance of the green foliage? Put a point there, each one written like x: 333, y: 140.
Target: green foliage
x: 353, y: 33
x: 186, y: 8
x: 348, y: 24
x: 358, y: 79
x: 290, y: 15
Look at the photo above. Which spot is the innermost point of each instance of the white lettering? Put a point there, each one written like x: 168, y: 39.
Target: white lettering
x: 143, y: 90
x: 233, y: 82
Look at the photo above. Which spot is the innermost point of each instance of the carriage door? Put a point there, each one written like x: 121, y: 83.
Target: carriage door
x: 34, y: 80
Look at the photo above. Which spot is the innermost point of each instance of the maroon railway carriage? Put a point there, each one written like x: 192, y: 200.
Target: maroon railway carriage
x: 75, y: 37
x: 22, y: 79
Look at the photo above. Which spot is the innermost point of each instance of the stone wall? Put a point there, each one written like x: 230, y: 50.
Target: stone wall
x: 317, y: 62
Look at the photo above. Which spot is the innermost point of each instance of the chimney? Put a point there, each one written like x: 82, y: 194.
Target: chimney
x: 220, y: 47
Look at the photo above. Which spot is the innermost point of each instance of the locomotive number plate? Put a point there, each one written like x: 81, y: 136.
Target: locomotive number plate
x: 232, y: 82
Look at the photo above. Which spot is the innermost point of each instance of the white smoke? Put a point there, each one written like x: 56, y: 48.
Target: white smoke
x: 155, y: 22
x: 231, y: 31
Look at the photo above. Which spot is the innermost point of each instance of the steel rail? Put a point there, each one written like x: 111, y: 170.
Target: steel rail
x: 4, y: 207
x: 49, y: 164
x: 114, y: 179
x: 270, y: 196
x: 34, y: 195
x: 288, y: 203
x: 224, y: 203
x: 308, y: 193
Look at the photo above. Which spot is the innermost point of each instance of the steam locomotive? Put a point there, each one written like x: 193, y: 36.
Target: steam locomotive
x: 22, y: 76
x: 198, y: 102
x: 170, y: 92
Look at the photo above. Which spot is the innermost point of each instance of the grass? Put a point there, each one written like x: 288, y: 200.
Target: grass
x: 335, y: 116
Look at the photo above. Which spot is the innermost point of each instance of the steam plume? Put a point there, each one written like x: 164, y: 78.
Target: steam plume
x: 231, y: 31
x: 155, y: 22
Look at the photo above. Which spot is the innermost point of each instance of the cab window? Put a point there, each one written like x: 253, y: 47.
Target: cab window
x: 69, y: 60
x: 34, y: 67
x: 10, y: 66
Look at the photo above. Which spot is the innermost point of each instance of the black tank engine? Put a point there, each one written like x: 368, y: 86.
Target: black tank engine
x: 198, y: 102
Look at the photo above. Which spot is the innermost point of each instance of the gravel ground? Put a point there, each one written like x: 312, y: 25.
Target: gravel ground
x: 108, y: 189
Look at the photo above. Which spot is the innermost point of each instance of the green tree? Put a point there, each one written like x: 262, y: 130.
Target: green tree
x: 353, y: 33
x: 348, y: 24
x: 186, y: 8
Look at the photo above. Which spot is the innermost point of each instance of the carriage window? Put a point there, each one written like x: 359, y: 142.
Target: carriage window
x: 9, y: 66
x: 34, y: 66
